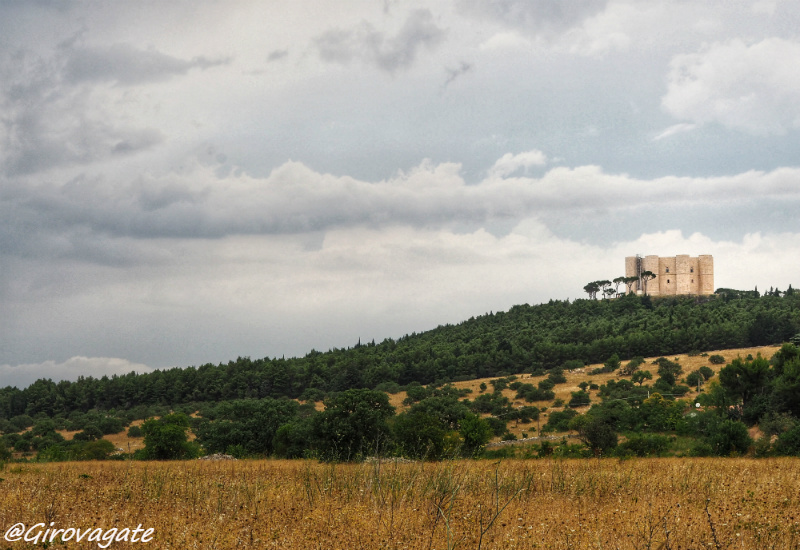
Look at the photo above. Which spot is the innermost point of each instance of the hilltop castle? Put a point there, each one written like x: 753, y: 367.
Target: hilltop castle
x: 675, y: 276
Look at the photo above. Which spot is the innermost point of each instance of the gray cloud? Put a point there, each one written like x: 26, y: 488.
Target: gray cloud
x: 277, y: 55
x: 374, y: 47
x: 453, y: 74
x: 127, y: 65
x: 534, y: 16
x: 50, y: 116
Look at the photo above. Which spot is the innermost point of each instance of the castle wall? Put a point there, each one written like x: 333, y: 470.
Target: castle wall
x: 667, y: 285
x: 680, y: 275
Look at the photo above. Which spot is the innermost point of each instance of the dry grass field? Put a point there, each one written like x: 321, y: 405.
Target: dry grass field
x: 636, y: 504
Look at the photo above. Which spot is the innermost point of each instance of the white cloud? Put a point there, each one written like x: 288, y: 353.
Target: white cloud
x: 675, y: 129
x: 22, y: 376
x: 505, y: 40
x: 750, y: 87
x: 508, y: 163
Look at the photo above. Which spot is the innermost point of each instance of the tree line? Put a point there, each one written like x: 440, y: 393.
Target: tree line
x: 525, y: 339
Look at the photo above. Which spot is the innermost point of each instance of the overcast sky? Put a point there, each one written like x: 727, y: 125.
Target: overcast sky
x: 187, y: 182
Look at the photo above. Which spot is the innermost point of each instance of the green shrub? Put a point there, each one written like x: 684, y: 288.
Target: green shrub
x: 572, y: 364
x: 557, y: 376
x: 580, y: 399
x: 716, y: 359
x: 135, y: 431
x: 788, y: 442
x: 645, y: 445
x: 546, y: 384
x: 706, y: 372
x: 558, y: 421
x: 730, y: 437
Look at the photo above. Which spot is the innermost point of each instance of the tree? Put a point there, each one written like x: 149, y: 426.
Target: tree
x: 249, y: 423
x: 706, y: 372
x: 612, y: 363
x: 632, y: 366
x: 660, y: 414
x: 669, y: 370
x: 647, y: 276
x: 694, y: 378
x: 629, y: 282
x: 788, y: 442
x: 475, y: 433
x: 729, y: 437
x: 98, y: 449
x: 596, y: 434
x: 580, y: 399
x: 592, y: 289
x: 166, y: 438
x: 5, y: 454
x: 293, y: 438
x: 618, y: 281
x: 744, y: 379
x: 90, y: 433
x: 421, y: 435
x: 353, y: 425
x: 640, y: 376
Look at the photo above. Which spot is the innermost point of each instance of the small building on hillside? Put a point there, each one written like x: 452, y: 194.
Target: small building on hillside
x: 682, y: 275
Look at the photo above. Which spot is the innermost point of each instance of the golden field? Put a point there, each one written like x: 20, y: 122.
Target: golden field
x: 647, y: 503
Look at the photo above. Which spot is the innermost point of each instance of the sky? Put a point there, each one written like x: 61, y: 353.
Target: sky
x: 187, y: 182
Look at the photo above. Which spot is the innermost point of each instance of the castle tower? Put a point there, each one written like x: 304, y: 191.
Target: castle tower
x: 706, y: 269
x: 650, y: 263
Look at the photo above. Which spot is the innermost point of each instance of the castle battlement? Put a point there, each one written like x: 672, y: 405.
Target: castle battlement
x: 675, y: 276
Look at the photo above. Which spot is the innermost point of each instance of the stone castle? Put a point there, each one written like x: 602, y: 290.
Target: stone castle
x: 675, y: 276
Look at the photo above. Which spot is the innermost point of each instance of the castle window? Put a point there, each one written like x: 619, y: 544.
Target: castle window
x: 667, y: 272
x: 667, y: 281
x: 691, y: 270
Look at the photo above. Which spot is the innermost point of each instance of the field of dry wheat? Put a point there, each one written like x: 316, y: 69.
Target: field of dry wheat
x: 654, y: 503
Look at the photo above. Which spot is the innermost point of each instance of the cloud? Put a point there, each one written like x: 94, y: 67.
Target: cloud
x: 277, y: 55
x: 127, y: 65
x: 675, y: 129
x: 374, y: 47
x: 534, y: 16
x: 55, y: 113
x: 755, y: 87
x: 453, y: 74
x: 84, y: 217
x: 509, y: 163
x: 22, y: 376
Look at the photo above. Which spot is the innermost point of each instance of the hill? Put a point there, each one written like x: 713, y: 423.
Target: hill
x: 525, y: 339
x: 534, y: 357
